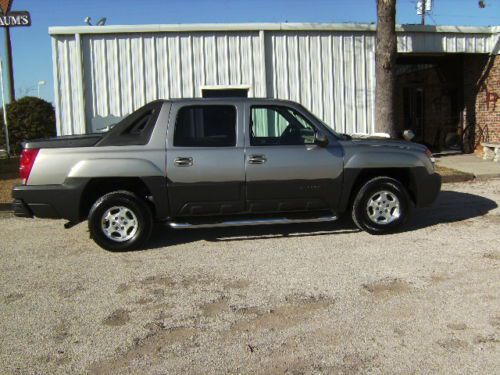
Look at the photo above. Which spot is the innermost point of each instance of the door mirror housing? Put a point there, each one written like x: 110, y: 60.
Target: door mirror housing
x: 320, y: 139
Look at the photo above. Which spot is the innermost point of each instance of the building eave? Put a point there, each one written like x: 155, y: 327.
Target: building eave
x: 349, y: 27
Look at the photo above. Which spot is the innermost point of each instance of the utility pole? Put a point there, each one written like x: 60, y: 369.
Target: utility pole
x: 4, y: 110
x: 423, y: 11
x: 11, y: 93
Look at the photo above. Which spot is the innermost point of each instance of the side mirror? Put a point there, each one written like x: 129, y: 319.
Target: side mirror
x: 320, y: 139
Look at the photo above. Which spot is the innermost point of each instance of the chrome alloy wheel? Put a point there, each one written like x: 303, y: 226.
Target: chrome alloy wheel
x: 383, y: 207
x: 119, y: 223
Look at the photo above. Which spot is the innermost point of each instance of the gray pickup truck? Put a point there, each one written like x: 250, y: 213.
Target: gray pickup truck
x: 193, y: 163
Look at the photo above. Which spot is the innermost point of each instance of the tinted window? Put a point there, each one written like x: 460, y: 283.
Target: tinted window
x: 277, y: 125
x: 206, y: 126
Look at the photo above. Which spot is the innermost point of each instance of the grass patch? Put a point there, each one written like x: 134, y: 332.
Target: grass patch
x: 452, y: 175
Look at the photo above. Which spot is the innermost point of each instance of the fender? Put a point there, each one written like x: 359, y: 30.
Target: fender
x: 383, y: 159
x: 114, y: 168
x: 374, y: 159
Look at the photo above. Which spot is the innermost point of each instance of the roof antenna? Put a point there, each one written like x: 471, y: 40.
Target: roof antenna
x: 88, y: 21
x: 101, y: 22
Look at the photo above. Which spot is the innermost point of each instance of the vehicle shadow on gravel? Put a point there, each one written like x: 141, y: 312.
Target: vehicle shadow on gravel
x: 451, y: 206
x: 164, y: 236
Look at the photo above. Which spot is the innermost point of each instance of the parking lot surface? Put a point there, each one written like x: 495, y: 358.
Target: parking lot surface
x: 270, y: 300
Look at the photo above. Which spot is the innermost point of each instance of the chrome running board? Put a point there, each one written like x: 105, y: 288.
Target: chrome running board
x: 247, y: 222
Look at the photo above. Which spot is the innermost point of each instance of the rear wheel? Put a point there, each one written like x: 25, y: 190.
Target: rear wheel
x: 382, y: 205
x: 120, y: 221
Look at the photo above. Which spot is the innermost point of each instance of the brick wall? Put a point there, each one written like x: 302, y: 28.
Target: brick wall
x: 482, y: 97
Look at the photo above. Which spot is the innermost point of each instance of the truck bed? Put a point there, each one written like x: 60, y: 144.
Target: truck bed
x: 87, y: 140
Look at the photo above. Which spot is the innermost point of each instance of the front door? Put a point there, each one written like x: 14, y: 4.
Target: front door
x: 205, y: 160
x: 285, y: 170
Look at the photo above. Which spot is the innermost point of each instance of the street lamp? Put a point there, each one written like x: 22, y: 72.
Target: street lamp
x: 40, y: 83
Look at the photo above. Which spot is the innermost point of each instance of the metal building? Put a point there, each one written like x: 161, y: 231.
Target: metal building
x: 102, y: 73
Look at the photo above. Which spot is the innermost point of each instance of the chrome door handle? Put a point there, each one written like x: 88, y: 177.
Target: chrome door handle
x: 183, y: 162
x: 257, y: 159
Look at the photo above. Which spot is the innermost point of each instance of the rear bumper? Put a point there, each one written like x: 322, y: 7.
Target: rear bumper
x: 21, y: 209
x: 47, y: 201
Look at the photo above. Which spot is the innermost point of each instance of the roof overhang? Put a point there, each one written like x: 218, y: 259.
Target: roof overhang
x: 348, y: 27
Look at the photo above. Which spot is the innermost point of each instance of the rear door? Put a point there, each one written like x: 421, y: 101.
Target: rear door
x: 205, y: 159
x: 285, y: 170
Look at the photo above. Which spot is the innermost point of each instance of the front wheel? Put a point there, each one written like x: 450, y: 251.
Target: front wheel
x: 382, y: 205
x: 120, y: 221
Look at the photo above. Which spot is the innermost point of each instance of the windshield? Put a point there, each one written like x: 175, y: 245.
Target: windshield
x: 327, y: 127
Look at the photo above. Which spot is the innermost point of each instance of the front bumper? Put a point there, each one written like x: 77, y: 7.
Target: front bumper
x: 426, y: 187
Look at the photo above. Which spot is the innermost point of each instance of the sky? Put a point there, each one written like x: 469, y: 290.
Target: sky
x: 32, y: 47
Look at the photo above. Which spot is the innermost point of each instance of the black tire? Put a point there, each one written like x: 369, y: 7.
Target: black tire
x: 360, y: 208
x: 130, y: 201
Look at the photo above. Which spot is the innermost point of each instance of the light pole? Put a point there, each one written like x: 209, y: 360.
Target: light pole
x: 40, y: 83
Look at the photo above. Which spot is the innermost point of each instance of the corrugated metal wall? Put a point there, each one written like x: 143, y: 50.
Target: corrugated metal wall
x: 332, y: 74
x: 124, y: 72
x: 99, y: 78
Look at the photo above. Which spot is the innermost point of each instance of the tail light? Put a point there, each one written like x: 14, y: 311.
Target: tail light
x: 26, y: 162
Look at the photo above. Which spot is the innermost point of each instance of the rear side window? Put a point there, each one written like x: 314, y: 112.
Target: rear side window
x: 205, y: 126
x: 135, y: 129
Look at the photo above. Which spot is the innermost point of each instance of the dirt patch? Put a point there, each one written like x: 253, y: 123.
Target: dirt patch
x: 61, y: 331
x: 158, y: 280
x: 213, y: 309
x: 283, y: 316
x: 59, y: 357
x: 494, y: 255
x: 148, y: 348
x: 495, y: 321
x: 13, y: 297
x: 70, y: 291
x: 439, y: 278
x: 122, y: 288
x: 236, y: 284
x: 386, y: 288
x: 489, y: 339
x: 117, y: 318
x: 7, y: 182
x: 453, y: 344
x: 457, y: 326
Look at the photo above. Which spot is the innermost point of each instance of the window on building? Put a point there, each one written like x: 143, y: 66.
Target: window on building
x: 277, y: 125
x: 205, y: 126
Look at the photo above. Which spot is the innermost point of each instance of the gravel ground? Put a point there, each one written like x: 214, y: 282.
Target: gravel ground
x: 286, y: 299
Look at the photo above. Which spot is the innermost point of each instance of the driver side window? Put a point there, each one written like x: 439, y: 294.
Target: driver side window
x: 277, y: 125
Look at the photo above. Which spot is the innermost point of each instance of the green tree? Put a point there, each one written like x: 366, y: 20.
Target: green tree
x: 28, y: 118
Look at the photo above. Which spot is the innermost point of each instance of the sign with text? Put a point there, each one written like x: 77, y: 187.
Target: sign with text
x: 15, y: 18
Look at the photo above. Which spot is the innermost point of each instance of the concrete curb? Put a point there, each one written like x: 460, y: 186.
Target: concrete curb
x: 482, y: 177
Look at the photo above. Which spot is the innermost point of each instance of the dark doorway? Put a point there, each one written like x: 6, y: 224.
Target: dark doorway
x: 430, y: 99
x: 224, y: 93
x: 413, y: 109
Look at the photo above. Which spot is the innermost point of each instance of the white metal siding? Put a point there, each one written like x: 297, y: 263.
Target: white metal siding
x: 123, y: 72
x: 68, y: 86
x: 418, y: 42
x: 105, y: 73
x: 332, y: 74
